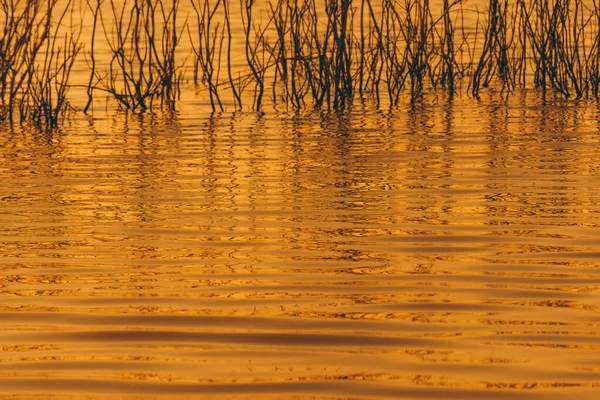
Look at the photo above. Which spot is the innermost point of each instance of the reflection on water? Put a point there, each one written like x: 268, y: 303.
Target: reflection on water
x: 447, y: 250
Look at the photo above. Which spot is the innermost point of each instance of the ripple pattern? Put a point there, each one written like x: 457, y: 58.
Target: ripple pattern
x: 449, y: 251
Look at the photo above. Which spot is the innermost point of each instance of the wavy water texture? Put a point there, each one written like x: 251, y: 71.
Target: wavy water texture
x: 444, y: 251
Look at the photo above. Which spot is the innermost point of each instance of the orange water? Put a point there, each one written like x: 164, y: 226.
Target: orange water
x: 449, y: 250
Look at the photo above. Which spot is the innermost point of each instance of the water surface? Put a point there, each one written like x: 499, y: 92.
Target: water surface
x: 443, y: 251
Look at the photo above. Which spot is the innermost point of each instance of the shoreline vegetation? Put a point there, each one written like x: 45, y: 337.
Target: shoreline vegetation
x: 297, y: 54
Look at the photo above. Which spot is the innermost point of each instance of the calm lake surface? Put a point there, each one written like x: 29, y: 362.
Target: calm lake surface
x: 446, y: 250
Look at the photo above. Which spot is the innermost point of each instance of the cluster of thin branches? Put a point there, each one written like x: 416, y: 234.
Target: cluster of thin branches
x: 324, y: 53
x: 296, y: 53
x: 36, y: 58
x: 553, y: 43
x: 142, y: 36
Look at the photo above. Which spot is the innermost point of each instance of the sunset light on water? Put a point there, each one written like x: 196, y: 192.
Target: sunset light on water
x: 299, y: 200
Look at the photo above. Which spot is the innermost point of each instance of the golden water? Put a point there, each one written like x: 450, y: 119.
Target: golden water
x: 449, y: 250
